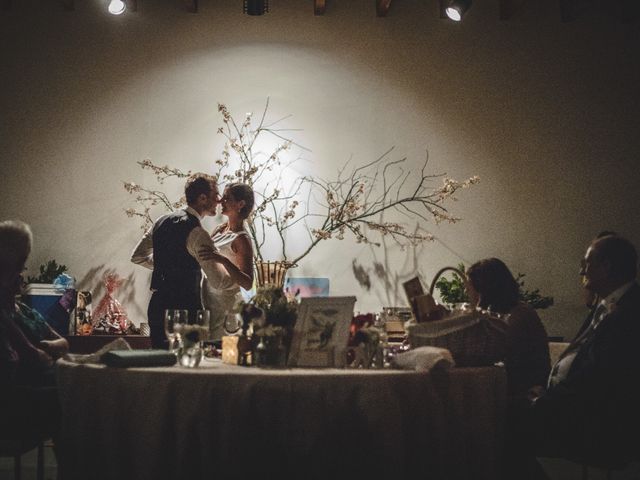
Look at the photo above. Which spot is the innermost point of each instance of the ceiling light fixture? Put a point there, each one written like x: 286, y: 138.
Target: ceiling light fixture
x: 256, y: 7
x: 116, y: 7
x: 457, y: 8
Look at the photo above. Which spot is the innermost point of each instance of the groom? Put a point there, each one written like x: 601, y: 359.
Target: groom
x: 170, y: 248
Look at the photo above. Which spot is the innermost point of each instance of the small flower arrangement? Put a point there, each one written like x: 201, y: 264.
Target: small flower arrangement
x: 366, y: 336
x: 271, y: 315
x: 270, y: 312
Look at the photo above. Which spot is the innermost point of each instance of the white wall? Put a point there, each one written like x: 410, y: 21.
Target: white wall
x: 545, y: 112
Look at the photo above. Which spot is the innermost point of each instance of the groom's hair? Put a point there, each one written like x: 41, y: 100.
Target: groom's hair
x: 198, y: 184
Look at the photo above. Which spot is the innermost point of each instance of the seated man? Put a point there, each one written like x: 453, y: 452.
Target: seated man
x: 589, y: 412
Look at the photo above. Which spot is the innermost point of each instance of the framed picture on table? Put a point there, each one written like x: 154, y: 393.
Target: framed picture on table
x: 413, y: 289
x: 321, y: 333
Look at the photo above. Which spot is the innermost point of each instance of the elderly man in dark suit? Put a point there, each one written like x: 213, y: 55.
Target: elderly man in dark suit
x: 590, y: 410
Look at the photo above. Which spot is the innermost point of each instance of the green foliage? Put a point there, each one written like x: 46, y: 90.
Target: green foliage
x: 48, y: 272
x: 533, y: 297
x: 278, y: 309
x: 452, y: 291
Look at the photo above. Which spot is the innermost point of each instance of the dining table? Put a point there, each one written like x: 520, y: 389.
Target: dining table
x: 227, y: 421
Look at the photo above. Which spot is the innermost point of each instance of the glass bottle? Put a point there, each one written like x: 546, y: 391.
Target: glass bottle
x: 261, y: 353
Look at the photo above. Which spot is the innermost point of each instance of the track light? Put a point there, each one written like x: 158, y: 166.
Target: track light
x: 457, y: 8
x: 116, y: 7
x: 256, y: 7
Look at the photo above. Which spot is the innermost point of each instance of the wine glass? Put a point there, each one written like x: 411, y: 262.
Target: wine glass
x: 173, y: 317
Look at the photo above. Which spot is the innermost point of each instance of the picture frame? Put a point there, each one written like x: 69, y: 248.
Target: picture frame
x: 413, y: 289
x: 321, y: 333
x: 304, y: 287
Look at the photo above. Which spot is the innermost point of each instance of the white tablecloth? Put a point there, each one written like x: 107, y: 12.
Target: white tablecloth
x: 221, y: 421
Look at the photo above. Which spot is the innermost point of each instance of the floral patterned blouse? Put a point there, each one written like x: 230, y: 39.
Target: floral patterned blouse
x: 32, y: 324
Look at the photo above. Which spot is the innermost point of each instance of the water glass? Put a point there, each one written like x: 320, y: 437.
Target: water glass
x: 173, y: 317
x: 203, y: 318
x: 193, y: 333
x: 232, y: 322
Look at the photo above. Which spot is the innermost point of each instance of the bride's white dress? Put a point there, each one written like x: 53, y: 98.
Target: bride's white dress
x: 219, y: 302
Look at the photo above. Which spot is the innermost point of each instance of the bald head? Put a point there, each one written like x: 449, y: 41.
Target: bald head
x: 610, y: 262
x: 621, y: 256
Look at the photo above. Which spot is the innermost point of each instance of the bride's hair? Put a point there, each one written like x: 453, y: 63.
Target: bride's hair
x: 242, y: 191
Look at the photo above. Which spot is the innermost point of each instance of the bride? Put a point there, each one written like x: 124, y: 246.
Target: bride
x: 235, y: 252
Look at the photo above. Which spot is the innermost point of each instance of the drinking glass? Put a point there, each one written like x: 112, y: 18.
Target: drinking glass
x: 232, y: 322
x: 173, y: 317
x: 203, y: 318
x: 461, y: 308
x: 193, y: 332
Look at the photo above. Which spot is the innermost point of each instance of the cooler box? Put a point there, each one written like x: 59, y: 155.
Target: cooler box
x: 44, y: 298
x: 41, y: 297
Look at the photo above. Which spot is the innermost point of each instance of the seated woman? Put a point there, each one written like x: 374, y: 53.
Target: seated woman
x: 29, y: 400
x: 235, y: 252
x: 490, y: 285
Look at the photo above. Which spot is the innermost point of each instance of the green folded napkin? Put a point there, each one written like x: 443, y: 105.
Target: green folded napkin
x: 139, y: 358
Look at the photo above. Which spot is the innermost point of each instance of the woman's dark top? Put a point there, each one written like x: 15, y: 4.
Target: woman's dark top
x: 527, y: 360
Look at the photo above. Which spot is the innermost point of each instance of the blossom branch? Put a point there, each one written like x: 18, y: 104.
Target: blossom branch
x: 355, y: 202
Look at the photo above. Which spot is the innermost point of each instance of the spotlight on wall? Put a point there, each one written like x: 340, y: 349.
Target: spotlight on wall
x: 116, y: 7
x: 256, y: 7
x: 457, y: 8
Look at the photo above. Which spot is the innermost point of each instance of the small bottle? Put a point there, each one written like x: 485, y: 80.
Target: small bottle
x: 244, y: 351
x: 281, y: 355
x: 379, y: 356
x: 382, y: 348
x: 261, y: 353
x: 82, y: 317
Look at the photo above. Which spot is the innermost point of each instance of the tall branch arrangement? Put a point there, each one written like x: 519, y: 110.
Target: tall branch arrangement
x: 355, y: 202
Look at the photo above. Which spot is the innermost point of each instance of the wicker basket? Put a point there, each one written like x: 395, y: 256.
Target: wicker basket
x: 271, y: 273
x: 474, y: 339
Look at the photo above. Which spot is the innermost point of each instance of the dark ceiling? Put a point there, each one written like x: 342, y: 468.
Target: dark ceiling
x: 627, y: 11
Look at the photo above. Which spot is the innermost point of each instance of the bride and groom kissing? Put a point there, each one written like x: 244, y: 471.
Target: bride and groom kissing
x: 179, y: 250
